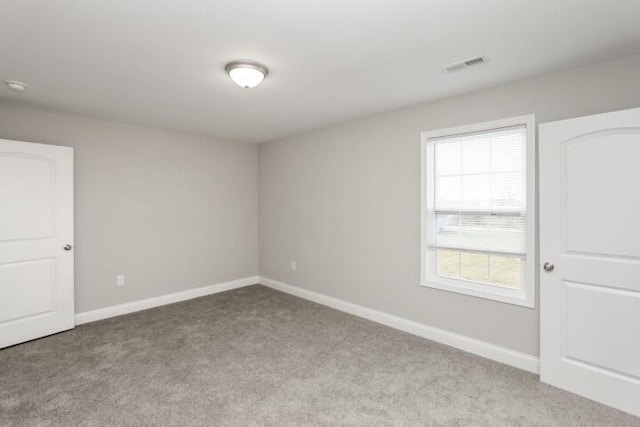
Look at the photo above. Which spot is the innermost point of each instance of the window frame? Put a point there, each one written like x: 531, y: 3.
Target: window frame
x: 525, y: 295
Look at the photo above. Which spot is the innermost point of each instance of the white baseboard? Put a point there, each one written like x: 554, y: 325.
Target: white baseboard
x: 484, y: 349
x: 130, y: 307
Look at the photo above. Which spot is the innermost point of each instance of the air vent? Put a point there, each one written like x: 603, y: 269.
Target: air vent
x: 464, y: 64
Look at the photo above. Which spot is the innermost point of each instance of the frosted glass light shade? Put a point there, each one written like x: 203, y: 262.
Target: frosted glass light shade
x: 246, y: 74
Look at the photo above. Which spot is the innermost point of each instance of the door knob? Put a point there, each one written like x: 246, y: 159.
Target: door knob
x: 548, y: 266
x: 67, y: 247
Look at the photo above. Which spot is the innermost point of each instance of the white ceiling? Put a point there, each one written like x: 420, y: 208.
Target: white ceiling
x: 161, y: 62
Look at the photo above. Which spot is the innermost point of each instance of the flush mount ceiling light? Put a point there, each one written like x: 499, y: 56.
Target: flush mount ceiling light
x: 246, y: 74
x: 16, y: 85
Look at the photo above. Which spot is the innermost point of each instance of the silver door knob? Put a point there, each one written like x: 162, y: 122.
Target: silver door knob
x: 67, y: 247
x: 548, y: 266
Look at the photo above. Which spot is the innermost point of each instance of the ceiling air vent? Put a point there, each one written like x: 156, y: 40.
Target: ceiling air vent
x: 464, y: 64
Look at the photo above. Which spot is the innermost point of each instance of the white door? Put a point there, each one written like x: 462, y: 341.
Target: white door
x: 36, y: 223
x: 590, y: 238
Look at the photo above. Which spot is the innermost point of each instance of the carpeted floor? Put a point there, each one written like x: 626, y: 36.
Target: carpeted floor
x: 257, y: 357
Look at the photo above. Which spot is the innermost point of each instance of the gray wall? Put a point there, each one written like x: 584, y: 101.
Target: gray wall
x: 169, y: 210
x: 345, y: 201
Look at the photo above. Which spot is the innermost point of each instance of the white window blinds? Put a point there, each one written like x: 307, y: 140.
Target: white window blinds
x: 478, y: 213
x: 478, y: 205
x: 480, y: 191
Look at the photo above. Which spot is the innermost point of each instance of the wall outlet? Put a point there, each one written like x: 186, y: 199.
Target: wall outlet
x: 293, y: 264
x: 120, y: 280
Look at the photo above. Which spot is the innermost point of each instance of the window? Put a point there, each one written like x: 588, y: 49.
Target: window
x: 478, y: 210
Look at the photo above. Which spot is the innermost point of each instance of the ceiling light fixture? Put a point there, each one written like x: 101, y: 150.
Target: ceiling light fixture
x: 246, y: 74
x: 17, y: 86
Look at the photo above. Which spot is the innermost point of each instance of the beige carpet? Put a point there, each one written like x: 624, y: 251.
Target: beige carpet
x: 257, y: 357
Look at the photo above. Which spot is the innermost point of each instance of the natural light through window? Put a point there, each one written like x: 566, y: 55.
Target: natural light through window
x: 476, y: 210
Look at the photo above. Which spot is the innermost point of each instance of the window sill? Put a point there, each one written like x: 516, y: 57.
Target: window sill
x: 478, y: 290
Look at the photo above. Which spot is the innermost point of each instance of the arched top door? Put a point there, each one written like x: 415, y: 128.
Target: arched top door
x: 36, y: 223
x: 590, y: 255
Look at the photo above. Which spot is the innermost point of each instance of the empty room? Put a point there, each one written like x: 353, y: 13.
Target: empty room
x: 320, y: 213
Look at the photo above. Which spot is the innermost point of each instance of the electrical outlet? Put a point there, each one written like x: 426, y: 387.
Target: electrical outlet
x: 120, y: 280
x: 293, y: 264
